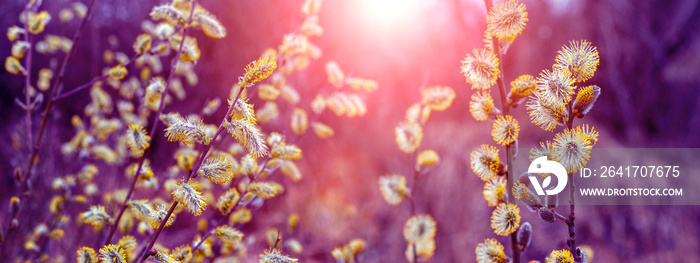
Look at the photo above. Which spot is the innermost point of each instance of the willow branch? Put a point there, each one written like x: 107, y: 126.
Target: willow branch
x: 505, y: 107
x: 195, y: 168
x: 152, y: 133
x: 238, y: 203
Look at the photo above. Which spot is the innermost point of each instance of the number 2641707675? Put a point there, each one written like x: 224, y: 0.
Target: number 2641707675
x: 633, y: 171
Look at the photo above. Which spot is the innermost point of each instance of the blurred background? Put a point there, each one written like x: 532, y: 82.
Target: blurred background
x: 649, y: 58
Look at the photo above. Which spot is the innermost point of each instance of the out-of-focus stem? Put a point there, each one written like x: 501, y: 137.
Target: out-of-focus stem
x: 27, y: 78
x: 53, y: 222
x: 91, y: 82
x: 49, y: 105
x: 413, y: 202
x: 415, y: 156
x: 415, y: 174
x: 201, y: 240
x: 24, y: 181
x: 126, y: 200
x: 413, y: 188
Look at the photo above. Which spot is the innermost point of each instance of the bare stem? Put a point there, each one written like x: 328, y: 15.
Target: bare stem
x: 509, y: 184
x: 415, y: 182
x: 93, y: 81
x: 413, y: 202
x: 28, y: 76
x: 560, y: 216
x: 201, y: 241
x: 415, y: 156
x: 277, y: 241
x: 411, y: 199
x: 571, y: 242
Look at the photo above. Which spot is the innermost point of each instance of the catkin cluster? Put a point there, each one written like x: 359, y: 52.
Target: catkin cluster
x: 553, y: 98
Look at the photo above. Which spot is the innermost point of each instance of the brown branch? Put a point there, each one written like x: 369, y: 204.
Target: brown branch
x: 571, y: 242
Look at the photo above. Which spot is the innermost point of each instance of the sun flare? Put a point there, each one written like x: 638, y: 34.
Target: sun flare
x: 389, y: 13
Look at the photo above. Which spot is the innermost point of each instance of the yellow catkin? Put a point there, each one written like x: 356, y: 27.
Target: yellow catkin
x: 585, y: 98
x: 299, y: 121
x: 117, y: 72
x: 13, y: 66
x: 408, y: 136
x: 37, y: 22
x: 335, y: 74
x: 393, y: 188
x: 480, y: 69
x: 322, y: 131
x: 210, y: 25
x: 426, y: 158
x: 507, y: 20
x: 142, y: 43
x: 256, y: 71
x: 187, y: 195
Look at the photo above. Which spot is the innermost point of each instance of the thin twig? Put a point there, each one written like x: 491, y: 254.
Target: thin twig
x: 201, y: 240
x: 53, y: 221
x: 572, y: 189
x: 28, y: 76
x: 277, y: 240
x: 560, y: 217
x: 413, y: 203
x: 415, y: 156
x: 93, y: 81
